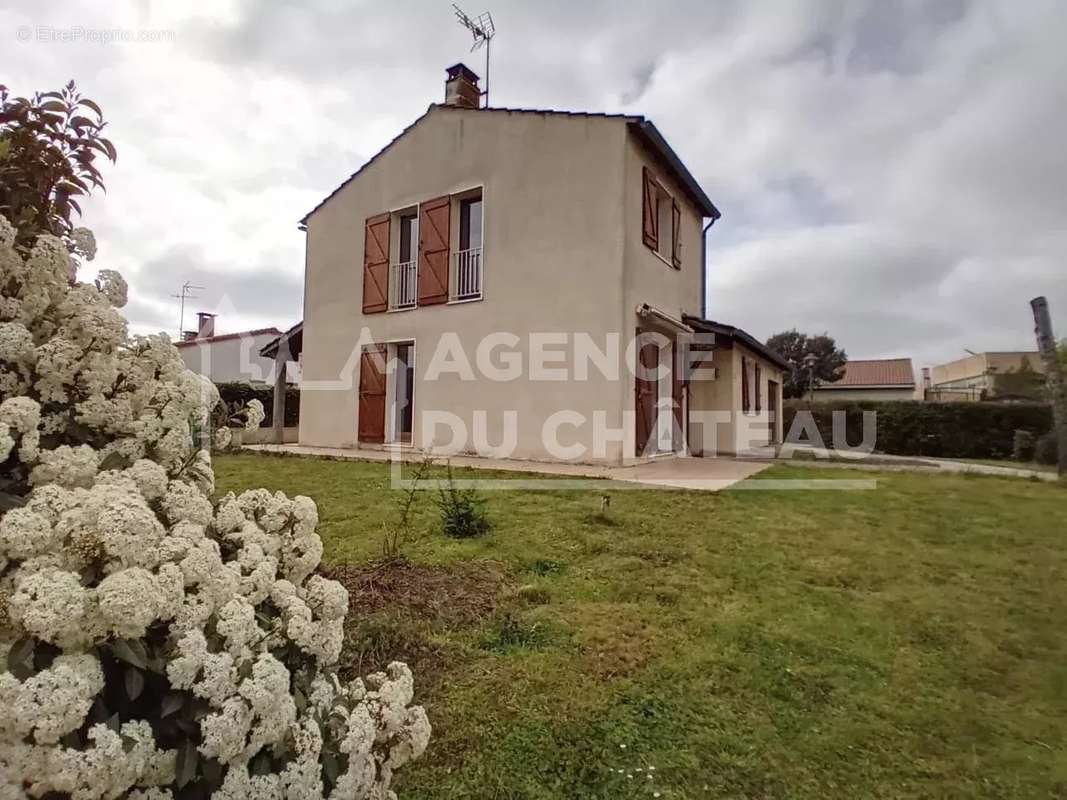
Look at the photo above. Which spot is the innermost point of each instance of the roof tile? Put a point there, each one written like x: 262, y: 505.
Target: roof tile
x: 876, y: 372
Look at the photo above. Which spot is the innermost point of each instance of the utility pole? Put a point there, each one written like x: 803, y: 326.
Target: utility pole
x: 1046, y: 345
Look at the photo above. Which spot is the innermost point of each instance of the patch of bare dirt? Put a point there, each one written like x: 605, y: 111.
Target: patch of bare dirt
x: 457, y: 594
x: 400, y: 611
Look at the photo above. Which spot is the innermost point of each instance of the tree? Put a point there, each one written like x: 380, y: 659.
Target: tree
x: 48, y: 148
x: 813, y: 360
x: 1061, y: 355
x: 1022, y: 381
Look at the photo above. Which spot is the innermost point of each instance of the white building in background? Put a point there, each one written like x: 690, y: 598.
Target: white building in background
x: 232, y: 357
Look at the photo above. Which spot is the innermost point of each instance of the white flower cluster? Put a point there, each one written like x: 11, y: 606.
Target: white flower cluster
x: 254, y: 415
x: 117, y: 541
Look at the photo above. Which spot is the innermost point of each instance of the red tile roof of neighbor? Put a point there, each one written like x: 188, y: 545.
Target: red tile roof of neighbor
x: 875, y: 372
x: 224, y: 336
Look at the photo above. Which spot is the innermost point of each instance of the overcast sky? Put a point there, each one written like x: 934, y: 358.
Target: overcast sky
x: 893, y: 173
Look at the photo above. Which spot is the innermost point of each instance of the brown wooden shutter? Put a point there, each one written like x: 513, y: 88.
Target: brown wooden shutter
x: 744, y: 385
x: 645, y: 396
x: 376, y: 264
x: 372, y: 394
x: 650, y: 219
x: 434, y: 254
x: 759, y: 403
x: 676, y: 245
x: 678, y: 390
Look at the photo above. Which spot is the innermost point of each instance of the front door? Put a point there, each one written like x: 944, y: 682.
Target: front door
x: 646, y: 387
x: 371, y: 426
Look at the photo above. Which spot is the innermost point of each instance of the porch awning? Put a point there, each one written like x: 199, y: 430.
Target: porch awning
x: 662, y: 318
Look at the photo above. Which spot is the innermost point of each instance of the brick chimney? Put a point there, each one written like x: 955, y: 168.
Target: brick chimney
x: 205, y: 325
x: 926, y: 377
x: 461, y: 87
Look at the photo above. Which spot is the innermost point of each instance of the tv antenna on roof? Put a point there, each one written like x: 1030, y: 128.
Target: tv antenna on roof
x: 483, y: 30
x: 187, y: 294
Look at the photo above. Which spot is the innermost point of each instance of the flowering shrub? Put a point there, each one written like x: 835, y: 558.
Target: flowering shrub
x: 154, y: 644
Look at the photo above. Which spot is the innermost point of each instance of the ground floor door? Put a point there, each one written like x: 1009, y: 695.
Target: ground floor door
x: 646, y: 387
x: 402, y: 390
x: 660, y: 400
x: 371, y: 410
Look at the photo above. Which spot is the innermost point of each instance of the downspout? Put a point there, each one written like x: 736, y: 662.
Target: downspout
x: 704, y: 269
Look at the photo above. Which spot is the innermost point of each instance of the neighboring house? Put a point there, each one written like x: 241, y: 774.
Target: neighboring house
x: 480, y: 281
x: 982, y: 376
x: 230, y: 357
x: 871, y: 379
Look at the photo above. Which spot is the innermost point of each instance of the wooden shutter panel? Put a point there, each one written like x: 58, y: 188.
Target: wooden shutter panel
x: 434, y: 253
x: 376, y: 264
x: 676, y: 245
x: 645, y: 396
x: 759, y: 402
x: 744, y: 385
x: 678, y: 391
x: 650, y: 219
x: 372, y: 394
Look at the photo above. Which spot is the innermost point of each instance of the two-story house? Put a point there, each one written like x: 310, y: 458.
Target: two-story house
x: 479, y: 286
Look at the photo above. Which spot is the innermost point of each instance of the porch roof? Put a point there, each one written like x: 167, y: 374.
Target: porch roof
x: 293, y: 338
x: 738, y: 336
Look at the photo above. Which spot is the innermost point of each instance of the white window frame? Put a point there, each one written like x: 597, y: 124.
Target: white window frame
x: 457, y: 197
x: 392, y: 420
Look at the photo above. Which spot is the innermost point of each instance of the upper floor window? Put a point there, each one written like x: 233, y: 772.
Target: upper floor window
x: 661, y: 220
x: 424, y: 255
x: 467, y: 271
x: 404, y: 272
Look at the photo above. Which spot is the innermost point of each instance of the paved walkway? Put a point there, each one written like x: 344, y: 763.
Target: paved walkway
x: 884, y: 461
x: 708, y: 474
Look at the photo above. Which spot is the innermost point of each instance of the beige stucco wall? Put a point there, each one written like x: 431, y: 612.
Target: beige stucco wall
x: 646, y: 277
x: 973, y: 372
x: 846, y: 395
x: 552, y: 246
x: 741, y: 432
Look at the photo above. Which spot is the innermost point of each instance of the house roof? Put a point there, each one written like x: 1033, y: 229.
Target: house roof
x: 644, y: 129
x: 294, y: 337
x: 875, y: 372
x: 736, y: 335
x: 225, y: 336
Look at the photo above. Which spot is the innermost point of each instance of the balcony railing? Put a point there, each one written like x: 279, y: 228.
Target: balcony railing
x: 467, y: 275
x: 404, y: 285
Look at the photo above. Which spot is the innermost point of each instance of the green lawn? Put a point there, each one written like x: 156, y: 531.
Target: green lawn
x: 907, y: 641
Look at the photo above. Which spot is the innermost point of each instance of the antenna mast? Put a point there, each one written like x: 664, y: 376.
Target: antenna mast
x: 186, y: 294
x: 483, y: 30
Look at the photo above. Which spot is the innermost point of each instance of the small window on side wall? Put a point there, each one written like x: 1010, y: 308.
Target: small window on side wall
x: 661, y: 221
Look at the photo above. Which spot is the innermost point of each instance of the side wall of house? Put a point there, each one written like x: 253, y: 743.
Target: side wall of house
x: 647, y: 277
x: 231, y: 360
x: 735, y: 431
x: 552, y: 192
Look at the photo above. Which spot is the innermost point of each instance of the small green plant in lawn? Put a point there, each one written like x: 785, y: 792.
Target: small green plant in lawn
x: 463, y: 513
x: 395, y: 536
x: 545, y: 566
x: 510, y: 633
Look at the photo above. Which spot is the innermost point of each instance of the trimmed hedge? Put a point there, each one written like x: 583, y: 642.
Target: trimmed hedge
x: 946, y: 430
x: 240, y: 393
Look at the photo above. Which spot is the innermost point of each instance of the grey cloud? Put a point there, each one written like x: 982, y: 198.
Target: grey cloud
x: 889, y: 172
